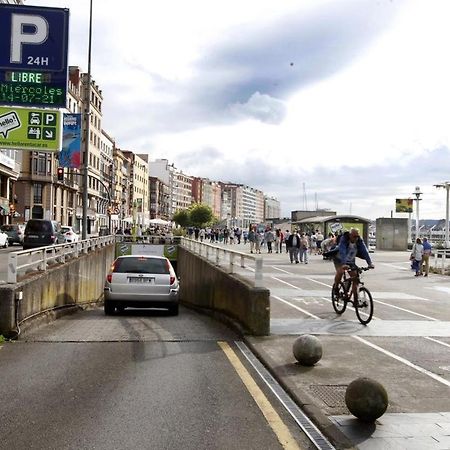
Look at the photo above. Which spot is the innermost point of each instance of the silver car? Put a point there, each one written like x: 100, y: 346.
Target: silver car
x: 141, y: 281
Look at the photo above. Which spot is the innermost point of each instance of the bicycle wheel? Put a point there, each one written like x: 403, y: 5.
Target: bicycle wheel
x: 364, y: 306
x: 338, y: 299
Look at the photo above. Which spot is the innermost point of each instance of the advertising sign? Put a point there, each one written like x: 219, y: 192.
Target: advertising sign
x: 30, y: 129
x: 403, y: 205
x: 70, y: 155
x: 33, y: 55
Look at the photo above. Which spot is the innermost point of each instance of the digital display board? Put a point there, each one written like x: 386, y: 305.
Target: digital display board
x: 33, y: 57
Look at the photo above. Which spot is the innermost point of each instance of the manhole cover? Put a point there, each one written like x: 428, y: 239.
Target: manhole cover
x: 333, y: 395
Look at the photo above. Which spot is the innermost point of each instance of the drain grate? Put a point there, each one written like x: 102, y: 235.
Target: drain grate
x: 333, y: 395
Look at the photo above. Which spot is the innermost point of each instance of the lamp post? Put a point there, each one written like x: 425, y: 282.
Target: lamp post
x: 417, y: 194
x: 87, y: 118
x: 446, y: 186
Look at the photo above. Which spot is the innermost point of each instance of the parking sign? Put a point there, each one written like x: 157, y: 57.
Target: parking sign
x: 33, y: 55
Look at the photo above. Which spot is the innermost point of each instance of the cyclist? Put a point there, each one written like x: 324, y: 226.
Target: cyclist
x: 350, y: 246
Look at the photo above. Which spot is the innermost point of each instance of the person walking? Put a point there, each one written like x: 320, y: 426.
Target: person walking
x: 426, y: 257
x: 286, y: 240
x: 304, y: 241
x: 269, y: 238
x: 416, y: 257
x: 252, y: 239
x: 277, y: 239
x: 259, y: 237
x: 294, y: 246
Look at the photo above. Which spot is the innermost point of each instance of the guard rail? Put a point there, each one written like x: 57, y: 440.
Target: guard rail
x: 440, y: 259
x: 226, y: 258
x: 40, y: 258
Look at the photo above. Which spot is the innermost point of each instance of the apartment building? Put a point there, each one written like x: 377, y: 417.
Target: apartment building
x: 9, y: 173
x: 138, y: 188
x: 242, y: 205
x: 159, y: 199
x: 272, y: 208
x: 121, y: 189
x: 208, y: 193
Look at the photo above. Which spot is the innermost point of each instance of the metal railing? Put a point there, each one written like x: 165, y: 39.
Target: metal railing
x: 228, y: 259
x: 41, y: 258
x: 148, y: 239
x: 440, y: 260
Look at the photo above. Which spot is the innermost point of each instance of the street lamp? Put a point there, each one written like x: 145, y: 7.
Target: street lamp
x: 87, y: 133
x: 417, y: 194
x: 446, y: 186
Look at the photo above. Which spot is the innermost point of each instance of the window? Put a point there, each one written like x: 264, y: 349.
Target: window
x: 37, y: 193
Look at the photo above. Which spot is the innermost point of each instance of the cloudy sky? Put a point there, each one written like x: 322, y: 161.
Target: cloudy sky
x: 340, y: 104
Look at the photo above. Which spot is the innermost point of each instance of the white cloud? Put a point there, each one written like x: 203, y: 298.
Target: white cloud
x: 262, y: 107
x: 367, y: 92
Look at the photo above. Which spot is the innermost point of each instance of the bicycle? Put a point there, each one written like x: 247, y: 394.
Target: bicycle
x: 363, y: 304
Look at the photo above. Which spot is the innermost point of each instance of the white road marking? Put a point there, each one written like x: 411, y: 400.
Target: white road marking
x: 375, y: 301
x: 404, y: 361
x: 437, y: 341
x: 295, y: 307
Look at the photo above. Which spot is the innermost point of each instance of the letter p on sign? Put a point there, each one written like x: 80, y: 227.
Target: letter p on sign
x: 26, y: 29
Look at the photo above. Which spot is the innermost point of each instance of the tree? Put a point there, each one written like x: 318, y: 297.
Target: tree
x: 182, y: 218
x: 200, y: 215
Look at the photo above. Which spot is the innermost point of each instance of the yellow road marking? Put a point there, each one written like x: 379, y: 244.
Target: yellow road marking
x: 279, y: 428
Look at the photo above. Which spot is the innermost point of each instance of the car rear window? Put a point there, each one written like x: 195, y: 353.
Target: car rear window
x: 7, y: 228
x: 141, y: 265
x: 42, y: 227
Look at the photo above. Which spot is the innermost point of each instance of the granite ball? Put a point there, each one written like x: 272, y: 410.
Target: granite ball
x: 307, y: 350
x: 366, y: 399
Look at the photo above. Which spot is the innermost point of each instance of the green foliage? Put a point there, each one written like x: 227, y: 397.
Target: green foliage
x: 2, y: 338
x: 182, y: 218
x: 200, y: 215
x: 179, y: 232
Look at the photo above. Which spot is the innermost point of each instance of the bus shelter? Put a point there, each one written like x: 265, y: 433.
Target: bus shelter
x: 335, y: 224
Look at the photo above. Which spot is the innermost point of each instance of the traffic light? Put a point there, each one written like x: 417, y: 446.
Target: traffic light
x: 60, y: 173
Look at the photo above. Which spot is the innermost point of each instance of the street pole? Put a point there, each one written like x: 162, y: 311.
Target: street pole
x: 446, y: 185
x: 87, y: 119
x: 417, y: 194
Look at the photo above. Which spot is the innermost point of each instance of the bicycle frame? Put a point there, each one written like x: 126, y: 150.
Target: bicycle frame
x: 342, y: 293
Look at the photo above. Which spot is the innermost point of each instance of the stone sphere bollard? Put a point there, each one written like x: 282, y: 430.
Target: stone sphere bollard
x: 307, y: 350
x: 366, y: 399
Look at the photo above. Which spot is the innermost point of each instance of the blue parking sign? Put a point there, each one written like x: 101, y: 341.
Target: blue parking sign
x: 33, y: 55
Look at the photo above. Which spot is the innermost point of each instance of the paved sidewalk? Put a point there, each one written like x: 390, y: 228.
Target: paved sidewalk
x: 406, y: 348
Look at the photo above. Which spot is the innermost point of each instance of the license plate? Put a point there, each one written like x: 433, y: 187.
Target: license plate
x: 33, y: 236
x: 141, y: 280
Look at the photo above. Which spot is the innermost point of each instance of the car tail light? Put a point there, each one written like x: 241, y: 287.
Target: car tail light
x: 109, y: 277
x: 172, y: 279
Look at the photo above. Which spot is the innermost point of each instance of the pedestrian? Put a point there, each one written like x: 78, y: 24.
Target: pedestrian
x: 226, y: 234
x: 202, y: 234
x: 312, y: 243
x: 286, y: 239
x: 269, y: 238
x: 245, y: 236
x: 416, y: 257
x: 277, y: 239
x: 319, y: 240
x: 281, y: 240
x: 252, y: 239
x: 294, y: 246
x: 258, y: 241
x: 238, y: 234
x: 426, y: 257
x: 304, y: 241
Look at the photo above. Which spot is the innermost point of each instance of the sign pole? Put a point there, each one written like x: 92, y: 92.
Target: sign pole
x: 87, y: 119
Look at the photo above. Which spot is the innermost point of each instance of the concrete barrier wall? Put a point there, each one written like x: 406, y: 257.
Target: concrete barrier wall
x: 209, y: 287
x: 77, y: 282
